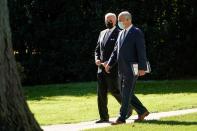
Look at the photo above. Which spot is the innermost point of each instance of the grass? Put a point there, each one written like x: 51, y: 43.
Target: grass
x: 177, y: 123
x: 75, y: 102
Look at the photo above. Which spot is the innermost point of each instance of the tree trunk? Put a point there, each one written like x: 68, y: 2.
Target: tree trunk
x: 14, y: 111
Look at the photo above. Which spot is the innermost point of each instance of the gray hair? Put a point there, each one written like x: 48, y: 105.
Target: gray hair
x: 125, y: 14
x: 110, y: 14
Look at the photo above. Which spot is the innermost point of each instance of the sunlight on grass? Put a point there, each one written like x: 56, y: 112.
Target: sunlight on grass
x: 70, y: 103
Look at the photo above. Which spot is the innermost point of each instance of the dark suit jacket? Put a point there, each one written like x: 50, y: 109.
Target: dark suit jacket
x: 103, y: 50
x: 131, y: 51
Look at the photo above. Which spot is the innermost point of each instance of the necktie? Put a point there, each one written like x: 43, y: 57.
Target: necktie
x: 123, y: 36
x: 106, y: 36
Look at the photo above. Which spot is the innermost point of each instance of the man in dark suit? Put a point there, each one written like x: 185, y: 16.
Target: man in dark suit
x: 129, y: 50
x: 107, y: 82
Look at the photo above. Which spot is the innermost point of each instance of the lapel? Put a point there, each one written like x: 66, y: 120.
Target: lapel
x: 110, y: 37
x: 127, y: 36
x: 103, y: 36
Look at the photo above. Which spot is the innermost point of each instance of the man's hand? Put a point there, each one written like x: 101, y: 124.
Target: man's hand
x: 107, y: 68
x: 141, y: 72
x: 98, y: 62
x: 104, y: 63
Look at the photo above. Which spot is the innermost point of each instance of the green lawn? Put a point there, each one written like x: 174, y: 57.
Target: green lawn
x: 75, y: 102
x: 177, y: 123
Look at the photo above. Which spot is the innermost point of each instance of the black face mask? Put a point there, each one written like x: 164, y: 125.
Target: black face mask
x: 109, y: 25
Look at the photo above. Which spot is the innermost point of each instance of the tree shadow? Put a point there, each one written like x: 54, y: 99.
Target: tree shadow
x: 90, y: 88
x: 166, y: 87
x: 168, y: 122
x: 71, y: 89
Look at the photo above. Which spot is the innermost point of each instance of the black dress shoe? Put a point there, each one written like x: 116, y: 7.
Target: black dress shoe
x: 118, y: 122
x: 102, y: 121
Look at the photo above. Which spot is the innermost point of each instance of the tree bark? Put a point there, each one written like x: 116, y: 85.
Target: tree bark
x: 14, y: 111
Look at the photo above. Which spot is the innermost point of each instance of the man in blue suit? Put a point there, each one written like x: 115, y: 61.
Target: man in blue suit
x: 129, y: 51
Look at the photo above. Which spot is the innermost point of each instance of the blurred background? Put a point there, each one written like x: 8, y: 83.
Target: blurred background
x: 54, y: 41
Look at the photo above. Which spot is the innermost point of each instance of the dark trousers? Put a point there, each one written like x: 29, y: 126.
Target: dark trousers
x: 127, y: 85
x: 106, y: 83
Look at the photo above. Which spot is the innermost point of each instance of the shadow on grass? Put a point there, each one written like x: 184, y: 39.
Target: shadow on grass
x: 169, y: 122
x: 89, y: 89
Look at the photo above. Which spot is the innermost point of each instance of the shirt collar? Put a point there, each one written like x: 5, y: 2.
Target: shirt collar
x: 128, y: 28
x: 112, y: 29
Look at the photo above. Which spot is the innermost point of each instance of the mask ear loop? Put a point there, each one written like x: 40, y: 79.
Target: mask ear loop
x: 110, y: 21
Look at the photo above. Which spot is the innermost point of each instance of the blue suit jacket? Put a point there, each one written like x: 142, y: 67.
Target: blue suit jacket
x: 129, y: 51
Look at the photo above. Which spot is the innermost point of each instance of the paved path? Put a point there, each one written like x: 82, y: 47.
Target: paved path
x: 91, y: 124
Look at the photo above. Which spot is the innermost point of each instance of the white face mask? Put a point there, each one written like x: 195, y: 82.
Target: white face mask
x: 120, y: 24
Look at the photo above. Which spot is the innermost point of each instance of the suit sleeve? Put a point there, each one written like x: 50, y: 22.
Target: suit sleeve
x: 113, y: 57
x: 97, y: 52
x: 141, y: 50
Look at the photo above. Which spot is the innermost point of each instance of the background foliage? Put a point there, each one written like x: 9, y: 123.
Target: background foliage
x: 54, y: 41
